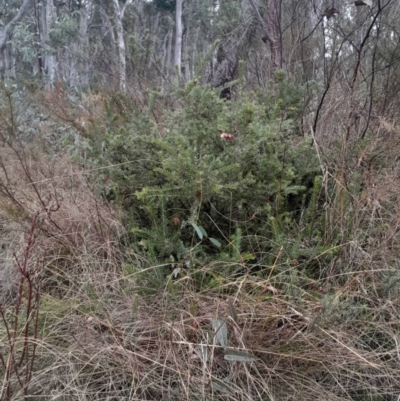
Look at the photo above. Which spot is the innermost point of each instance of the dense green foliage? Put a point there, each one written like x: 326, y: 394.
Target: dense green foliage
x: 240, y: 172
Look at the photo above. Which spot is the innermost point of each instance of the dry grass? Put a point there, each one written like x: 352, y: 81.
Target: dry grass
x: 111, y: 344
x: 72, y: 220
x: 101, y: 337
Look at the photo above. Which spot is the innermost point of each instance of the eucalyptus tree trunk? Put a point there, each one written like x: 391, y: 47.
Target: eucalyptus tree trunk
x: 186, y: 56
x: 119, y: 12
x: 274, y: 34
x: 167, y: 46
x: 8, y: 62
x: 154, y: 34
x: 74, y: 62
x: 84, y: 64
x: 195, y: 50
x: 107, y: 29
x: 50, y: 60
x: 178, y: 35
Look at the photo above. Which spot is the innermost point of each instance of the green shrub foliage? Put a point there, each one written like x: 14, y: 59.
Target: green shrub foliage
x: 239, y: 171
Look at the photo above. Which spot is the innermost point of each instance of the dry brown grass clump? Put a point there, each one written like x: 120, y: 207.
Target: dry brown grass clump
x: 71, y: 221
x: 115, y: 344
x: 53, y: 227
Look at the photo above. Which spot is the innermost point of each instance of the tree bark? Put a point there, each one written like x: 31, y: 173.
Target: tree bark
x: 167, y: 49
x: 119, y: 29
x: 50, y: 61
x: 272, y: 31
x: 178, y: 35
x: 84, y: 43
x: 108, y: 29
x: 154, y: 33
x: 274, y: 24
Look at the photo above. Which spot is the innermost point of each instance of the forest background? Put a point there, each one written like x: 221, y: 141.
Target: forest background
x: 199, y: 200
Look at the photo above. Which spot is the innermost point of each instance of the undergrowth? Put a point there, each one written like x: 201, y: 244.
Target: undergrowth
x: 206, y: 251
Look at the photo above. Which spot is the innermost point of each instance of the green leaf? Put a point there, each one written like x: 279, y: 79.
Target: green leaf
x: 220, y: 385
x: 239, y: 356
x: 215, y: 242
x: 203, y: 231
x: 199, y: 232
x: 232, y: 312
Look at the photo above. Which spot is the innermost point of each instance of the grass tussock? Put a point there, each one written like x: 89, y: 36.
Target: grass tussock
x: 113, y: 343
x: 70, y: 222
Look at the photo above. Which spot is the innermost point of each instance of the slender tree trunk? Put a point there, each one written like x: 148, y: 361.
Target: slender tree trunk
x: 164, y: 48
x: 178, y: 36
x: 13, y: 62
x: 139, y: 15
x: 2, y: 64
x: 186, y: 58
x: 154, y: 33
x: 119, y: 29
x: 84, y: 42
x: 8, y: 62
x: 195, y: 51
x: 50, y: 61
x: 107, y: 29
x: 38, y: 65
x: 274, y: 26
x: 169, y: 48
